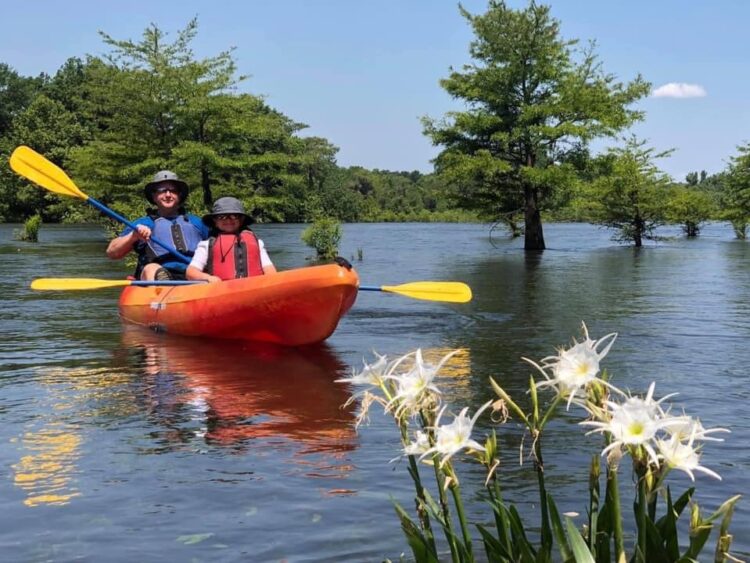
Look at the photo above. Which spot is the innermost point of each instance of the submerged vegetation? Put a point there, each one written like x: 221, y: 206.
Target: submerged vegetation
x: 324, y: 235
x: 639, y: 432
x: 30, y: 230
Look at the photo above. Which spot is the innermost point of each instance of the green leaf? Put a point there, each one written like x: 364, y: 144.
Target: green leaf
x: 654, y: 544
x: 420, y: 547
x: 495, y: 550
x: 698, y: 538
x: 502, y: 523
x: 557, y: 529
x: 667, y: 526
x: 524, y: 551
x: 581, y: 551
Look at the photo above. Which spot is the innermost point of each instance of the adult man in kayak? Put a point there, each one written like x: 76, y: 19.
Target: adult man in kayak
x: 233, y: 251
x: 169, y: 223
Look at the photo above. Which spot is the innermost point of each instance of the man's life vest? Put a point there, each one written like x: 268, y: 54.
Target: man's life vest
x: 232, y: 256
x: 180, y: 232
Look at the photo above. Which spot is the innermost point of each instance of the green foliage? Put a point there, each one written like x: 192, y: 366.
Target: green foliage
x: 535, y: 101
x: 30, y: 231
x: 690, y: 207
x: 16, y: 93
x: 631, y: 196
x: 324, y: 236
x: 735, y: 195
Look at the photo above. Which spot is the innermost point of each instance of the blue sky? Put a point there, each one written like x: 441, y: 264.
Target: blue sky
x: 361, y: 73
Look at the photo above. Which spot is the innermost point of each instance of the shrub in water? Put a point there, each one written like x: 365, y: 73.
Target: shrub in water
x: 30, y: 231
x: 324, y: 236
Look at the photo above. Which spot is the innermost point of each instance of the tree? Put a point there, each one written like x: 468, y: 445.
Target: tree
x: 631, y: 194
x: 530, y: 105
x: 690, y: 207
x: 52, y: 130
x: 16, y: 93
x: 735, y: 195
x: 157, y: 106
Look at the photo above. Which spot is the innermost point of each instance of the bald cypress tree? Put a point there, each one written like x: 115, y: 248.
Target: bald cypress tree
x: 533, y: 102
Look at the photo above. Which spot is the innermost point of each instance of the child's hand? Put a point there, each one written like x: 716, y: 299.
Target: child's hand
x: 213, y: 279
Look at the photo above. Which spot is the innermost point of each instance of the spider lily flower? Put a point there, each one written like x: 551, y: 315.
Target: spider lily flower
x: 452, y: 438
x: 574, y: 368
x: 693, y: 428
x: 420, y: 444
x: 371, y: 375
x: 415, y: 389
x: 684, y: 457
x: 634, y: 423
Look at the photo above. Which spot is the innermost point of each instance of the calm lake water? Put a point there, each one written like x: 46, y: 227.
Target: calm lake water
x: 120, y: 445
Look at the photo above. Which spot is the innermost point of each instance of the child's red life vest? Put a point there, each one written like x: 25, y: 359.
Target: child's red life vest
x: 233, y: 256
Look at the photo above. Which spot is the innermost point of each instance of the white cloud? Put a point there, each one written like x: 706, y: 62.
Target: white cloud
x: 679, y: 90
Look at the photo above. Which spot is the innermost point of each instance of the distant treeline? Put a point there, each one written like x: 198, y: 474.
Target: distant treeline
x: 533, y: 102
x: 112, y: 122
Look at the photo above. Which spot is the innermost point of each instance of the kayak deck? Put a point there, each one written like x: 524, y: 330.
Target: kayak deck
x: 292, y: 308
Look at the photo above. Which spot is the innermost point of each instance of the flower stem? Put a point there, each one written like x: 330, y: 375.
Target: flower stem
x: 421, y: 500
x: 641, y: 518
x: 424, y: 517
x: 447, y: 523
x: 613, y: 493
x: 458, y: 502
x: 539, y: 465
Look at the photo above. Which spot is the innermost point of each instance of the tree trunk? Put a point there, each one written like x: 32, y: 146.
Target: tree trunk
x: 208, y: 198
x: 534, y: 239
x: 638, y: 232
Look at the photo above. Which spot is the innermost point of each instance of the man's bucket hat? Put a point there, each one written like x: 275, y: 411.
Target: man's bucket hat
x: 165, y: 176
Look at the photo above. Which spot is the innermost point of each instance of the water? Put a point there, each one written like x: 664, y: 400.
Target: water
x: 119, y: 444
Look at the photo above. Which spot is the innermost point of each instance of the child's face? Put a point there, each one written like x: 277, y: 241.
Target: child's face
x: 228, y: 222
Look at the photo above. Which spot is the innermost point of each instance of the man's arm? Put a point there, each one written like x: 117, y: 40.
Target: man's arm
x: 123, y: 244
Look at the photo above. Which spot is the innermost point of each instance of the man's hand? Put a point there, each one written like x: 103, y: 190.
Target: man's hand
x: 142, y: 232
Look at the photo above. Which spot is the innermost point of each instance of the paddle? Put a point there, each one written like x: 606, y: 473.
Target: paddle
x: 71, y: 284
x: 450, y: 292
x: 33, y: 166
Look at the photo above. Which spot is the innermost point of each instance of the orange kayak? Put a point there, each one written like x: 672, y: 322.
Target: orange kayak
x: 291, y: 308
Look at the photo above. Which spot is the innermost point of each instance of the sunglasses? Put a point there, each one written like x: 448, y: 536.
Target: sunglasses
x: 165, y: 189
x: 227, y: 216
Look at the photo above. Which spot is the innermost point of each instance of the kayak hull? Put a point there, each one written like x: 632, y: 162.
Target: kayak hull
x: 291, y: 308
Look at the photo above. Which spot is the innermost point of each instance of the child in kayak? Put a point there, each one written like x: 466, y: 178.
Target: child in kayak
x: 232, y: 250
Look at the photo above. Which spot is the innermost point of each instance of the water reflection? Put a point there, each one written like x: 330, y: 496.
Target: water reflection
x: 45, y: 473
x: 229, y: 394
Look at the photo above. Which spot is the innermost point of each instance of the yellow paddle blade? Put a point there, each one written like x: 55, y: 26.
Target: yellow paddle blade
x: 33, y: 166
x: 71, y: 284
x: 451, y: 292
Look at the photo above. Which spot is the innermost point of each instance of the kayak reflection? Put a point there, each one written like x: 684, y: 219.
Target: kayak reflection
x: 230, y: 393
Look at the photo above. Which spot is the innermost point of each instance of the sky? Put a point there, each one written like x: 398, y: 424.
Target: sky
x: 361, y: 73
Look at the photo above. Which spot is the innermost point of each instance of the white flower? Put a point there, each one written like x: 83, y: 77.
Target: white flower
x: 415, y: 388
x: 635, y: 422
x: 692, y: 427
x: 419, y: 446
x: 574, y: 368
x: 452, y: 438
x: 371, y: 375
x: 684, y: 457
